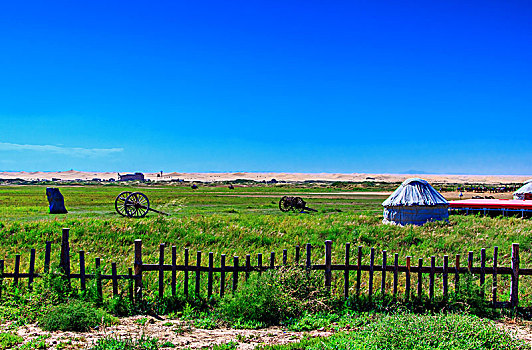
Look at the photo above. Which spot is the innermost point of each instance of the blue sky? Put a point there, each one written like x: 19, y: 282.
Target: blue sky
x: 295, y: 86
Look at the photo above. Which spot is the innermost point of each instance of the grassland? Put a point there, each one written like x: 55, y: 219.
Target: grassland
x: 246, y: 220
x: 242, y: 221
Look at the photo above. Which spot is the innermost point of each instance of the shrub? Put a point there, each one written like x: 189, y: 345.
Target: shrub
x: 8, y: 340
x: 470, y: 297
x: 275, y: 296
x: 23, y: 305
x: 74, y: 316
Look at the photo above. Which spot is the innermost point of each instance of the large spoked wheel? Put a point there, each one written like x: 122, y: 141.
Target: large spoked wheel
x: 137, y: 205
x: 120, y: 203
x: 284, y: 205
x: 298, y: 204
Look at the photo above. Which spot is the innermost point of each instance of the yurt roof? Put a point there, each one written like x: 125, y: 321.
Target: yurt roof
x: 415, y: 192
x: 526, y: 188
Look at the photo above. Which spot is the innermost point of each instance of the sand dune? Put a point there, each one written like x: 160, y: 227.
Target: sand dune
x: 231, y: 176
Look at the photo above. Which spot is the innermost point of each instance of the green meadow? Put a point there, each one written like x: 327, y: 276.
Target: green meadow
x: 246, y: 220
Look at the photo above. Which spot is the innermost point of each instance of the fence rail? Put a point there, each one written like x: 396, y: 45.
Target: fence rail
x: 135, y: 275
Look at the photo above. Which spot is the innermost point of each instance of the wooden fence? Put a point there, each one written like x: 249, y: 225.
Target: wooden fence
x: 135, y: 274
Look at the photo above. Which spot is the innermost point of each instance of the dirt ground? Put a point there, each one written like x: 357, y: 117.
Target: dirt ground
x: 183, y: 335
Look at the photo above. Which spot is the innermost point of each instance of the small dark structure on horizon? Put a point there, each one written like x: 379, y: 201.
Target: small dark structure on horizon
x: 131, y: 177
x: 56, y: 201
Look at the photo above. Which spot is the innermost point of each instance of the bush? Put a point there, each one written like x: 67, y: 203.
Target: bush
x: 8, y: 340
x: 275, y: 296
x: 74, y: 316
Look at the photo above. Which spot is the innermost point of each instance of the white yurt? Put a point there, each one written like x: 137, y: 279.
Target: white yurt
x: 524, y: 192
x: 415, y: 202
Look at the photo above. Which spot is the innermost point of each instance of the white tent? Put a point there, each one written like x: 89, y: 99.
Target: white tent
x: 525, y: 192
x: 415, y: 202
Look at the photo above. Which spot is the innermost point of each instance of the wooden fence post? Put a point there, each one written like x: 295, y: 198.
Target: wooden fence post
x: 371, y: 267
x: 161, y: 270
x: 514, y: 286
x: 222, y: 275
x: 114, y: 276
x: 328, y: 262
x: 395, y: 274
x: 470, y: 261
x: 359, y: 269
x: 138, y: 269
x: 198, y: 266
x: 297, y: 255
x: 346, y: 271
x: 431, y: 277
x: 420, y: 279
x: 82, y: 278
x: 17, y: 269
x: 248, y: 266
x: 494, y: 284
x: 445, y: 276
x: 383, y: 276
x: 65, y: 255
x: 457, y: 274
x: 1, y: 276
x: 272, y: 260
x: 99, y: 287
x: 482, y: 271
x: 285, y: 257
x: 235, y: 273
x: 407, y: 282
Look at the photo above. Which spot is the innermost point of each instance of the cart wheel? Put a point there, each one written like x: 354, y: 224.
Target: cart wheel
x: 120, y: 203
x: 298, y: 204
x: 284, y: 205
x: 137, y: 205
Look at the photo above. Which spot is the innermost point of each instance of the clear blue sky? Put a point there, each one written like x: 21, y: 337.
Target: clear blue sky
x: 299, y: 86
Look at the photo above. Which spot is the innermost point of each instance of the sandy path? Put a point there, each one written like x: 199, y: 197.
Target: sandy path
x: 178, y: 332
x: 181, y: 334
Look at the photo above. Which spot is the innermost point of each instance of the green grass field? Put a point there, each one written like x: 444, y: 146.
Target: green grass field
x: 242, y: 221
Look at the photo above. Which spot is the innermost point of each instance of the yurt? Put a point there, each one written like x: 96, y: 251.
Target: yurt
x: 525, y: 192
x: 415, y: 202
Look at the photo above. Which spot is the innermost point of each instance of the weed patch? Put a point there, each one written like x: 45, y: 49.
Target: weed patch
x: 74, y: 316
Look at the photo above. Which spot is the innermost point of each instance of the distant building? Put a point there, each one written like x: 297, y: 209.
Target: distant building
x: 131, y: 177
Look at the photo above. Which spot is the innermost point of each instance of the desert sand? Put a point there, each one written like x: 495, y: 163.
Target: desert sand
x: 290, y: 177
